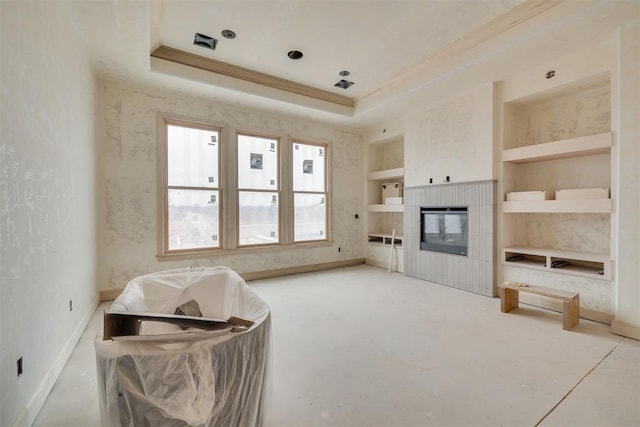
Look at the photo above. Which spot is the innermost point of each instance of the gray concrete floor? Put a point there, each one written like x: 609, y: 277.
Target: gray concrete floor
x: 363, y: 347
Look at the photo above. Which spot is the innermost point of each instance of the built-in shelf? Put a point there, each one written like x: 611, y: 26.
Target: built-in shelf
x: 385, y: 239
x: 574, y: 147
x: 586, y: 264
x: 558, y: 206
x: 387, y: 174
x: 385, y: 181
x: 386, y: 208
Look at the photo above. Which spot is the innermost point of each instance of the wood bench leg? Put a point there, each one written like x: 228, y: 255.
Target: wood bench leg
x: 509, y: 299
x: 570, y: 313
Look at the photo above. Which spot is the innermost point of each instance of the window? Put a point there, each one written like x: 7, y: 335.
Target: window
x: 309, y: 192
x: 258, y: 190
x: 193, y: 191
x: 239, y: 191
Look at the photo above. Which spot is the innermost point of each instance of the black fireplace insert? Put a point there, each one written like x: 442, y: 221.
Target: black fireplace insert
x: 444, y: 230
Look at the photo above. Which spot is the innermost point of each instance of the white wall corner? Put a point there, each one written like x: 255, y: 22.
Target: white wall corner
x: 30, y: 411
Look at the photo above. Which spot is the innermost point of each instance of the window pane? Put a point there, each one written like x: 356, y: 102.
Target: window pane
x: 310, y: 217
x: 308, y: 167
x: 257, y: 163
x: 193, y: 219
x: 258, y: 218
x: 192, y: 157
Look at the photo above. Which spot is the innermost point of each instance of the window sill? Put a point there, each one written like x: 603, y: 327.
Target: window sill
x: 202, y: 254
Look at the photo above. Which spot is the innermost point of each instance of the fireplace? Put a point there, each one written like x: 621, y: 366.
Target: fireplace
x: 444, y: 230
x: 475, y: 271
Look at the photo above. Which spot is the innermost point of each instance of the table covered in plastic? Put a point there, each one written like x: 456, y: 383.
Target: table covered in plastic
x: 171, y: 377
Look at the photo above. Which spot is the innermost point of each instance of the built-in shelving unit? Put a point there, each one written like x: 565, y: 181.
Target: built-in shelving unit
x: 558, y: 206
x: 593, y: 265
x: 386, y: 175
x: 385, y: 165
x: 566, y: 148
x: 385, y: 239
x: 385, y: 208
x: 556, y: 173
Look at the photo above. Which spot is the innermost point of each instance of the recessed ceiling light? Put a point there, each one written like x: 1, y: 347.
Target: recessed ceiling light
x: 295, y: 54
x: 344, y: 84
x: 228, y: 34
x: 205, y: 41
x: 344, y: 73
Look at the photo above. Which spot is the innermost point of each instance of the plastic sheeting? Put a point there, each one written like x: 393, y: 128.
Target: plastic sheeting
x: 192, y: 377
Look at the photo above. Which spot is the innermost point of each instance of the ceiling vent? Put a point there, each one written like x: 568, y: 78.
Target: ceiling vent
x: 205, y: 41
x: 344, y: 84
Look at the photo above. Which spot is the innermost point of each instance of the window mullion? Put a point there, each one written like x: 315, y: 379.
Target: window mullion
x: 287, y: 187
x: 230, y: 209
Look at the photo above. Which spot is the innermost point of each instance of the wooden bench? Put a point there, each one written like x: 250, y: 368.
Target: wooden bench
x: 509, y: 299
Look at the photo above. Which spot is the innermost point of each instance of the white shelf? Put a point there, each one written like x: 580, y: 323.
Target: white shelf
x: 397, y: 173
x: 558, y: 206
x: 385, y: 208
x: 384, y: 239
x: 574, y: 147
x: 585, y: 264
x: 385, y: 235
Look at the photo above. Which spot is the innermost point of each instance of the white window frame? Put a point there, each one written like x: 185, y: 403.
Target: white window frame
x: 278, y: 191
x: 326, y: 193
x: 163, y: 162
x: 229, y: 191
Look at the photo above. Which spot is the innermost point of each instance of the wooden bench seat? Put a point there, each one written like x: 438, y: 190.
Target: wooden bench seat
x: 509, y: 299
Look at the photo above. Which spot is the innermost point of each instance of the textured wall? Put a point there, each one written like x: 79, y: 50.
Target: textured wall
x: 627, y: 157
x: 454, y: 138
x: 565, y: 116
x: 47, y: 213
x: 129, y: 188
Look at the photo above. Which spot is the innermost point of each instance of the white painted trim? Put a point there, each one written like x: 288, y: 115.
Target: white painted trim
x: 30, y: 411
x: 625, y: 329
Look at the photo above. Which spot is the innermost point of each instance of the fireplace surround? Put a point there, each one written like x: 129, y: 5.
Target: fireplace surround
x: 473, y: 271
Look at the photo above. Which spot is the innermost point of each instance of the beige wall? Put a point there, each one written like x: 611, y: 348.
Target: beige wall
x: 128, y: 216
x: 627, y: 158
x: 47, y: 213
x: 453, y: 138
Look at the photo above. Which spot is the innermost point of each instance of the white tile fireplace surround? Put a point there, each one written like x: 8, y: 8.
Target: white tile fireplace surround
x: 474, y: 272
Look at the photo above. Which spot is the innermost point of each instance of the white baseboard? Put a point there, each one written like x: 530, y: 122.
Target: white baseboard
x: 30, y: 412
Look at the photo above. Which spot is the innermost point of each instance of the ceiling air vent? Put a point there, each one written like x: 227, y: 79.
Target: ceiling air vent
x: 344, y: 84
x: 205, y: 41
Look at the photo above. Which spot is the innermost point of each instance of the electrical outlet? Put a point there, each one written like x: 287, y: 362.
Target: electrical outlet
x: 19, y: 366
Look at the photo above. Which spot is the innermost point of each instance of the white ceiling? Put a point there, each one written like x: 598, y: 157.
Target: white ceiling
x: 374, y: 40
x: 402, y: 54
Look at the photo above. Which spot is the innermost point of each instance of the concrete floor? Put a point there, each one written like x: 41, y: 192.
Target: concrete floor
x: 363, y: 347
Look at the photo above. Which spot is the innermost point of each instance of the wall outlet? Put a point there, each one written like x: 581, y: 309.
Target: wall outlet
x: 19, y: 366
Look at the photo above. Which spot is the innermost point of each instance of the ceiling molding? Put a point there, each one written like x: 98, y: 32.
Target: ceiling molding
x: 245, y: 74
x: 461, y: 47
